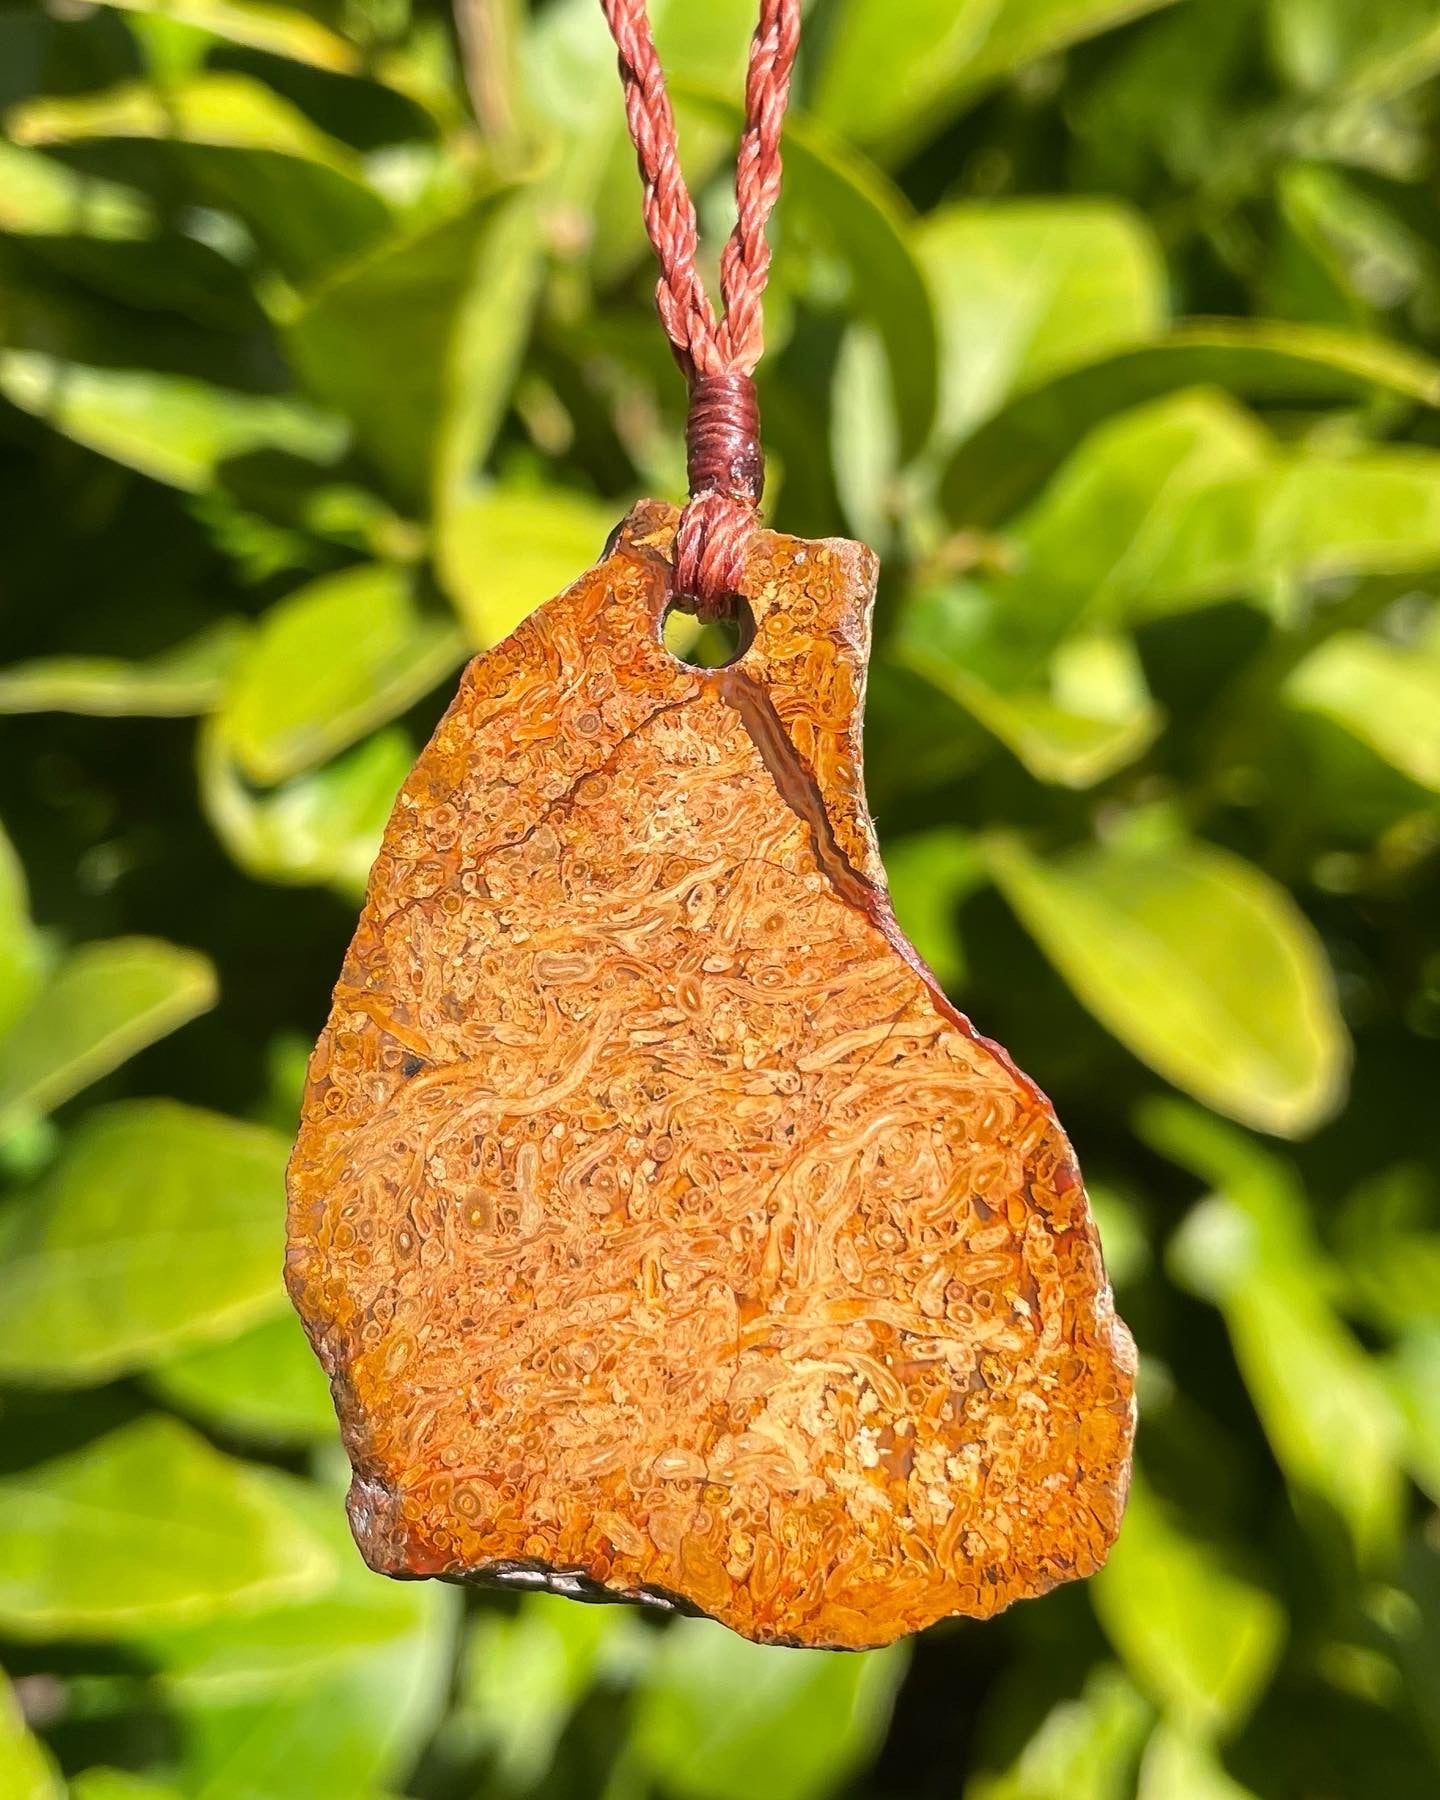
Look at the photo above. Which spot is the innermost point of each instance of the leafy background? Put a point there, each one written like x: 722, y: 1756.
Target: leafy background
x: 326, y: 352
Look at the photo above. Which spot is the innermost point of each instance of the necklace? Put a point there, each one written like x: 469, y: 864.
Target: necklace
x: 665, y: 1231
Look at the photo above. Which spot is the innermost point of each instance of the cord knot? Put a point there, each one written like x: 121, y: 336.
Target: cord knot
x: 727, y: 478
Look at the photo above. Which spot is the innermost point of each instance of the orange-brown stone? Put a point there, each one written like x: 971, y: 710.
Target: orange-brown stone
x: 666, y: 1232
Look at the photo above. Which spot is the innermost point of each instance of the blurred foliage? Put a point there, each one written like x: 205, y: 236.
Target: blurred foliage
x: 326, y: 352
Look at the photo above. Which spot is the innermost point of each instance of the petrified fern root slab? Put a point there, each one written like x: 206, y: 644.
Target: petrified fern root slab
x: 666, y: 1233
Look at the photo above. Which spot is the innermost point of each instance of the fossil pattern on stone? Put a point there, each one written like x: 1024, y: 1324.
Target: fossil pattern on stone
x: 665, y: 1231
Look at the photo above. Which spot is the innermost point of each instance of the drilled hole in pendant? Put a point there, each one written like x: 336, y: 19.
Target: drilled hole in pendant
x: 708, y: 643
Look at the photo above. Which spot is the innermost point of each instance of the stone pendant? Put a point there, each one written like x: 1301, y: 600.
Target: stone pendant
x: 666, y: 1233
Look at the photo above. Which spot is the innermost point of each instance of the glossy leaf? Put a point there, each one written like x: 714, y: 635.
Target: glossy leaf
x: 320, y: 830
x: 21, y: 957
x: 721, y: 1719
x: 264, y: 1385
x: 894, y: 74
x: 1199, y: 964
x: 1025, y: 289
x: 170, y: 427
x: 1386, y: 696
x: 1249, y: 1247
x: 88, y: 1261
x: 503, y: 552
x: 328, y: 664
x: 41, y: 196
x: 1178, y: 1766
x: 100, y: 1006
x: 1197, y: 1634
x: 1001, y: 464
x: 1074, y: 722
x: 930, y: 874
x: 26, y: 1771
x: 277, y: 30
x: 142, y: 1527
x: 301, y: 192
x: 1084, y: 1749
x: 175, y: 684
x: 450, y: 303
x: 327, y: 1697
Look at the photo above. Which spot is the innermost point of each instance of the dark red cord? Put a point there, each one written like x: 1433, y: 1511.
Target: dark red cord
x: 717, y: 357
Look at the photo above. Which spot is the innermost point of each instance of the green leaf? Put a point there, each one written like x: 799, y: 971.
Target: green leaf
x: 264, y: 1385
x: 893, y: 75
x: 525, y: 1675
x: 314, y: 1700
x: 178, y: 683
x: 722, y: 1719
x: 464, y: 287
x: 320, y: 830
x: 504, y: 551
x: 1199, y: 964
x: 302, y: 194
x: 276, y: 30
x: 1262, y: 360
x: 1413, y: 1375
x: 328, y: 664
x: 930, y: 874
x: 120, y: 1784
x: 1329, y: 46
x: 843, y: 209
x: 1073, y: 722
x: 103, y: 1004
x: 1084, y: 1749
x: 142, y: 1527
x: 1198, y: 1635
x: 42, y: 197
x: 22, y: 960
x: 26, y: 1771
x: 1178, y: 1766
x: 88, y: 1261
x: 1025, y: 289
x: 1250, y: 1248
x: 1386, y: 696
x: 171, y: 427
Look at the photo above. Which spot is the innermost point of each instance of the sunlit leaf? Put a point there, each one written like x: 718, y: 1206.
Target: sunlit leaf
x: 21, y: 957
x: 722, y: 1719
x: 102, y: 1004
x: 328, y: 664
x: 1179, y: 1766
x: 170, y: 427
x: 1413, y: 1374
x: 26, y: 1771
x: 88, y: 1261
x: 417, y: 342
x: 525, y: 1675
x: 1084, y: 1749
x: 175, y: 684
x: 322, y: 829
x: 43, y: 197
x: 1027, y: 288
x: 504, y: 551
x: 893, y: 74
x: 313, y: 1700
x: 1197, y: 1634
x: 120, y: 1784
x: 1328, y: 45
x: 1383, y: 694
x: 1073, y: 722
x: 1249, y: 1247
x: 277, y: 30
x: 1199, y: 964
x: 930, y: 873
x: 1262, y: 360
x: 264, y: 1385
x: 146, y: 1526
x: 302, y: 193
